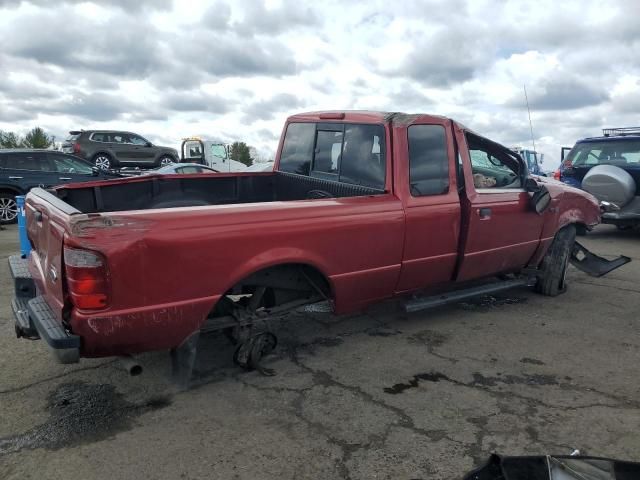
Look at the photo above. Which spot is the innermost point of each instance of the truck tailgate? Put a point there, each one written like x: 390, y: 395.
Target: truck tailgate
x: 47, y: 218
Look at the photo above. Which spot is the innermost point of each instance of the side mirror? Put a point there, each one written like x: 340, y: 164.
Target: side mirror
x: 531, y: 186
x: 541, y: 200
x: 148, y: 144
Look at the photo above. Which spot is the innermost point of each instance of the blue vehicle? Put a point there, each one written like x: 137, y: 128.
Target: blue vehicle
x: 608, y: 167
x: 534, y: 160
x: 617, y: 146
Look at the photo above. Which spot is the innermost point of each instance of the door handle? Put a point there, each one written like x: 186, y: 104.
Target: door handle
x: 65, y: 178
x: 15, y: 178
x: 484, y: 212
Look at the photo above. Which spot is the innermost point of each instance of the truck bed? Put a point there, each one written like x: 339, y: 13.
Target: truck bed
x: 167, y: 191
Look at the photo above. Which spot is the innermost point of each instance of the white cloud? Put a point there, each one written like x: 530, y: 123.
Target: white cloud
x: 235, y: 70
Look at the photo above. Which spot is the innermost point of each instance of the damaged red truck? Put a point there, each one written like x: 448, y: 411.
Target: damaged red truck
x: 361, y: 207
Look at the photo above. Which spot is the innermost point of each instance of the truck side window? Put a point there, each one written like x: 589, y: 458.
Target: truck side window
x: 297, y: 150
x: 363, y: 156
x: 428, y: 160
x: 492, y: 166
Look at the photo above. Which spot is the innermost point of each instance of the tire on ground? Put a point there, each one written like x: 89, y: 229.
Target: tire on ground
x: 551, y: 280
x: 8, y: 208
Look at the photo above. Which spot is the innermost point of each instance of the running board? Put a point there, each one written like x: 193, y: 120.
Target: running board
x: 423, y: 303
x: 590, y: 263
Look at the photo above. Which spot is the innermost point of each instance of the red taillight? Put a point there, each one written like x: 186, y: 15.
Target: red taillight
x: 556, y: 174
x: 76, y: 148
x: 86, y: 275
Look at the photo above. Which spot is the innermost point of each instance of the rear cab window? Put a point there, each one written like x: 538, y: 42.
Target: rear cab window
x: 341, y: 152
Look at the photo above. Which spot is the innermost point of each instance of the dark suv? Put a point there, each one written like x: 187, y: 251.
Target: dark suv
x: 608, y: 167
x: 22, y: 169
x: 108, y: 149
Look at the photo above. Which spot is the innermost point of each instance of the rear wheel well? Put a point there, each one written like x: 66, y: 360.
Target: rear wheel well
x: 581, y: 228
x: 279, y: 285
x: 13, y: 191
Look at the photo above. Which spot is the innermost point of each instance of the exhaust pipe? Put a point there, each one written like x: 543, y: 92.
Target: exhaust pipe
x: 132, y: 367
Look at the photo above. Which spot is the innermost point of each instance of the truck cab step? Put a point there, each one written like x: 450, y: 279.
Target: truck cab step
x: 432, y: 301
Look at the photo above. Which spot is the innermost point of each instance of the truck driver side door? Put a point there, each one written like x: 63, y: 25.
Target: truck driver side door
x: 502, y: 228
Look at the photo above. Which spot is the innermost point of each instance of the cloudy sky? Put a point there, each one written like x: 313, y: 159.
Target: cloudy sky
x: 234, y: 70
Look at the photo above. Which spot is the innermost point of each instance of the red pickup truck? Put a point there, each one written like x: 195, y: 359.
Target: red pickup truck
x: 361, y: 207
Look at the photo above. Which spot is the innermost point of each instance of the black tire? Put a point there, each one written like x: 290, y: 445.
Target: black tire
x: 552, y: 279
x: 581, y: 230
x: 8, y: 208
x: 166, y: 160
x: 103, y: 161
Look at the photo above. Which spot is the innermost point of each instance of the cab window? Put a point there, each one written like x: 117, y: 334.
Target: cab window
x: 493, y: 167
x: 363, y: 161
x: 297, y: 150
x: 347, y: 153
x: 428, y: 160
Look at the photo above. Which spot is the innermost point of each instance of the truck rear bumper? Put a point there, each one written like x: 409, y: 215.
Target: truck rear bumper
x: 34, y: 318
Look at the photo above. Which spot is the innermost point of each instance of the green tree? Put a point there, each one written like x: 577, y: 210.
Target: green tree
x: 240, y: 152
x: 37, y: 138
x: 10, y: 140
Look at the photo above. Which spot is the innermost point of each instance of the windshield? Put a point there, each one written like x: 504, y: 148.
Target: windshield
x: 605, y: 153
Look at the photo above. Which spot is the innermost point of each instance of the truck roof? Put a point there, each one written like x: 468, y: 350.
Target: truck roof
x: 366, y: 116
x: 610, y: 138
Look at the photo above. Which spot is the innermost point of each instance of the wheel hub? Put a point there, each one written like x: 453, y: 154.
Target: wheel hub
x: 8, y: 209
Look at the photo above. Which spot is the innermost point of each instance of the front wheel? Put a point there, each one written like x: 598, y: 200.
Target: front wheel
x: 8, y: 208
x: 553, y: 268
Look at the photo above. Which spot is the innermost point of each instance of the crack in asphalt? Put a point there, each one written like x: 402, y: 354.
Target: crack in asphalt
x: 432, y: 340
x: 55, y: 377
x: 475, y: 449
x: 606, y: 286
